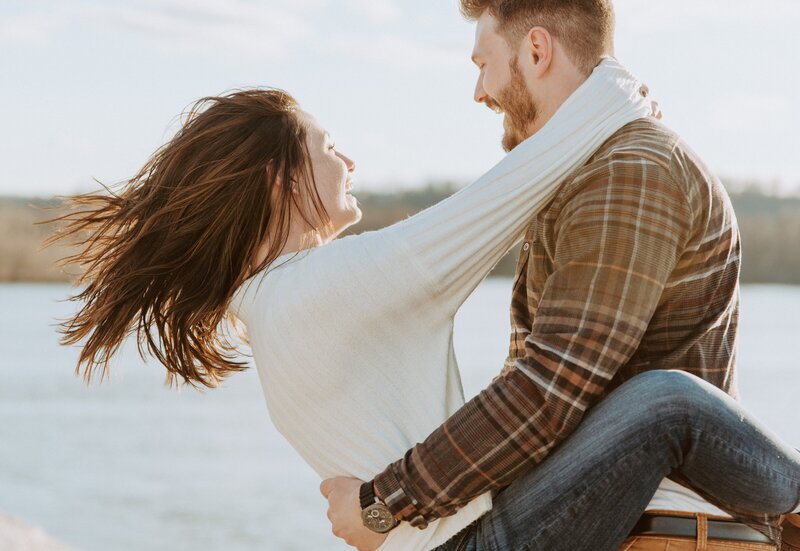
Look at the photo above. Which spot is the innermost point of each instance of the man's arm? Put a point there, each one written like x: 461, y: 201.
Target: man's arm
x: 618, y: 240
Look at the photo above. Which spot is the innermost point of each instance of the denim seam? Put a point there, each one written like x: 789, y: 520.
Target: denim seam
x: 625, y: 459
x: 491, y: 538
x: 585, y: 497
x: 745, y: 454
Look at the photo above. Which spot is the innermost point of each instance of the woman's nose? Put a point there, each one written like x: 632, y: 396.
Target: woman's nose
x: 351, y: 165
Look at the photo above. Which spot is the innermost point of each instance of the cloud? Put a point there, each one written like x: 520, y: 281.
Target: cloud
x: 675, y: 15
x: 380, y: 11
x: 251, y: 29
x: 398, y: 51
x: 31, y: 27
x: 261, y: 29
x: 744, y: 113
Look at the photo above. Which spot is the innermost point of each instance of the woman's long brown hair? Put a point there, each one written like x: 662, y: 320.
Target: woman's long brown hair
x: 164, y: 255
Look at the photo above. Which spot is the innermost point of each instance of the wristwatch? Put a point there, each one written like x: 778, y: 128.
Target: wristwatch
x: 374, y: 513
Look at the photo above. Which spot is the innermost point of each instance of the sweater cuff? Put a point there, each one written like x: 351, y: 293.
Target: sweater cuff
x: 399, y: 501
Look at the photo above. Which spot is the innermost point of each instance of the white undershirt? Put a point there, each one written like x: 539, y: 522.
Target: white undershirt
x: 671, y: 496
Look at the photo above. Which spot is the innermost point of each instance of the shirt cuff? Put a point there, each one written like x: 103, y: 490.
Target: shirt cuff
x: 399, y: 501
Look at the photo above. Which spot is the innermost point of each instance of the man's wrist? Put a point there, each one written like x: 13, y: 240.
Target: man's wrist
x: 376, y: 491
x: 402, y: 506
x: 375, y: 515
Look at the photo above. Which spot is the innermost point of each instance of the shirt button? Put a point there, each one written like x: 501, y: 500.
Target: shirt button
x: 525, y: 247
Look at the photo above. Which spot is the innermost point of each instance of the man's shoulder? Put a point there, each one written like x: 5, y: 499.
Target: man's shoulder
x: 644, y: 152
x: 647, y: 140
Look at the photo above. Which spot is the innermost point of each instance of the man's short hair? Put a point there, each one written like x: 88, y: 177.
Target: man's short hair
x: 585, y: 28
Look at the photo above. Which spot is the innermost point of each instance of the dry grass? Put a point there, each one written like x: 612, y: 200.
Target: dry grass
x: 22, y: 254
x: 770, y: 228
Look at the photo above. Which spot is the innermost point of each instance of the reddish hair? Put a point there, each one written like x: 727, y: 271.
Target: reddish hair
x: 585, y: 28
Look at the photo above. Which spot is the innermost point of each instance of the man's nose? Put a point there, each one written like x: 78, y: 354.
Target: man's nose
x: 480, y: 93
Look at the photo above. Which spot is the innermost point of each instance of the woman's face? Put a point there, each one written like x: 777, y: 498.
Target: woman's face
x: 333, y: 176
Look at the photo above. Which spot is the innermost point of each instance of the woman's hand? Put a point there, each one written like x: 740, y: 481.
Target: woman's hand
x: 655, y: 109
x: 344, y: 512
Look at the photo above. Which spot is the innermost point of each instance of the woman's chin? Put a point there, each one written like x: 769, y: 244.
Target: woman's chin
x: 352, y: 203
x: 348, y: 217
x: 357, y: 214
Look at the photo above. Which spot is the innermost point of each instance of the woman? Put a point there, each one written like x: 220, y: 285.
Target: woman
x: 352, y: 338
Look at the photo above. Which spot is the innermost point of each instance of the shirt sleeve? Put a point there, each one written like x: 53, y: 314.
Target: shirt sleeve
x: 617, y: 240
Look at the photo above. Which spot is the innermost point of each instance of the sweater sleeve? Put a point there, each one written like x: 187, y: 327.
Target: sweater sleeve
x: 458, y: 241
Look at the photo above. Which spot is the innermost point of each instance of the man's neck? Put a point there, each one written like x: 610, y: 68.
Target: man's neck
x: 561, y: 89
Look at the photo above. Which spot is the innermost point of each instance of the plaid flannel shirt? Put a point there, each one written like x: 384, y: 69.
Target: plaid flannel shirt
x: 633, y: 266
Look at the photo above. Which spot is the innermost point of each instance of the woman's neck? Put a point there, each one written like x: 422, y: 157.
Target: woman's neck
x: 300, y: 241
x: 297, y: 241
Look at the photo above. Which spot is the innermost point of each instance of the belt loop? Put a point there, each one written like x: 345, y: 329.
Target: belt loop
x: 702, y: 532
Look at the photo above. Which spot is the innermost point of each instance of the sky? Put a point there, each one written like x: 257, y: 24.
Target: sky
x: 90, y: 89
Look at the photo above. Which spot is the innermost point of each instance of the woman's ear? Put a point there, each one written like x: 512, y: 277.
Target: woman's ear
x: 276, y: 181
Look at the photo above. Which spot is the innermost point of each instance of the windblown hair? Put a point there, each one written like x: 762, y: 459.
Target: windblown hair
x: 585, y: 28
x: 164, y: 255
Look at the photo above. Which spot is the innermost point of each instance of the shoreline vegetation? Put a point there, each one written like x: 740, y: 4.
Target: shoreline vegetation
x: 769, y: 225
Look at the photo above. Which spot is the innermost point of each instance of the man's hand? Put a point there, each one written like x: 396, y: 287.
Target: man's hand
x: 344, y: 512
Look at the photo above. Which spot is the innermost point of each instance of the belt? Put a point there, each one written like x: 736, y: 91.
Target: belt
x: 663, y: 525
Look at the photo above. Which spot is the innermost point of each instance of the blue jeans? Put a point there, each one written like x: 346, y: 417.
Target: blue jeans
x: 589, y: 493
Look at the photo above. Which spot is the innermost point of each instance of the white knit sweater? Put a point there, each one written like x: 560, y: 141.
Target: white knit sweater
x: 353, y: 341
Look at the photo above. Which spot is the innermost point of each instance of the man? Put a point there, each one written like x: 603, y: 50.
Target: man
x: 632, y: 267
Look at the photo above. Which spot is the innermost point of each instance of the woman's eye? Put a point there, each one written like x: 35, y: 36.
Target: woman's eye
x: 332, y: 146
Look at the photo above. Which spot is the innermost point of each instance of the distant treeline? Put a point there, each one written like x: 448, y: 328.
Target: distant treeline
x: 769, y: 225
x: 770, y: 228
x: 22, y: 257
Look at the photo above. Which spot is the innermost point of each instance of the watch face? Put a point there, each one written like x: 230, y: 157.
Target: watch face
x: 378, y: 518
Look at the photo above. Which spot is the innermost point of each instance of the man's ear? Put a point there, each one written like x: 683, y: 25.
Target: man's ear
x: 538, y: 47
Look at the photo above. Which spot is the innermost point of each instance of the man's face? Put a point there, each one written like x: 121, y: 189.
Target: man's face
x: 501, y: 84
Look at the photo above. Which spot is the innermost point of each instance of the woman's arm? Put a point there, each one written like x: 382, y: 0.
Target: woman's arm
x: 458, y: 241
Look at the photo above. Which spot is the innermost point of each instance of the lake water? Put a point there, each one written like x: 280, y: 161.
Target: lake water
x: 132, y: 466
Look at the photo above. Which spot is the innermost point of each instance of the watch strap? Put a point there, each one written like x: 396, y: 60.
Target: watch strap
x: 367, y: 495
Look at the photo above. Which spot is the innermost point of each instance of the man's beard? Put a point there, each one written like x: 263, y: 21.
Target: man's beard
x: 519, y: 108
